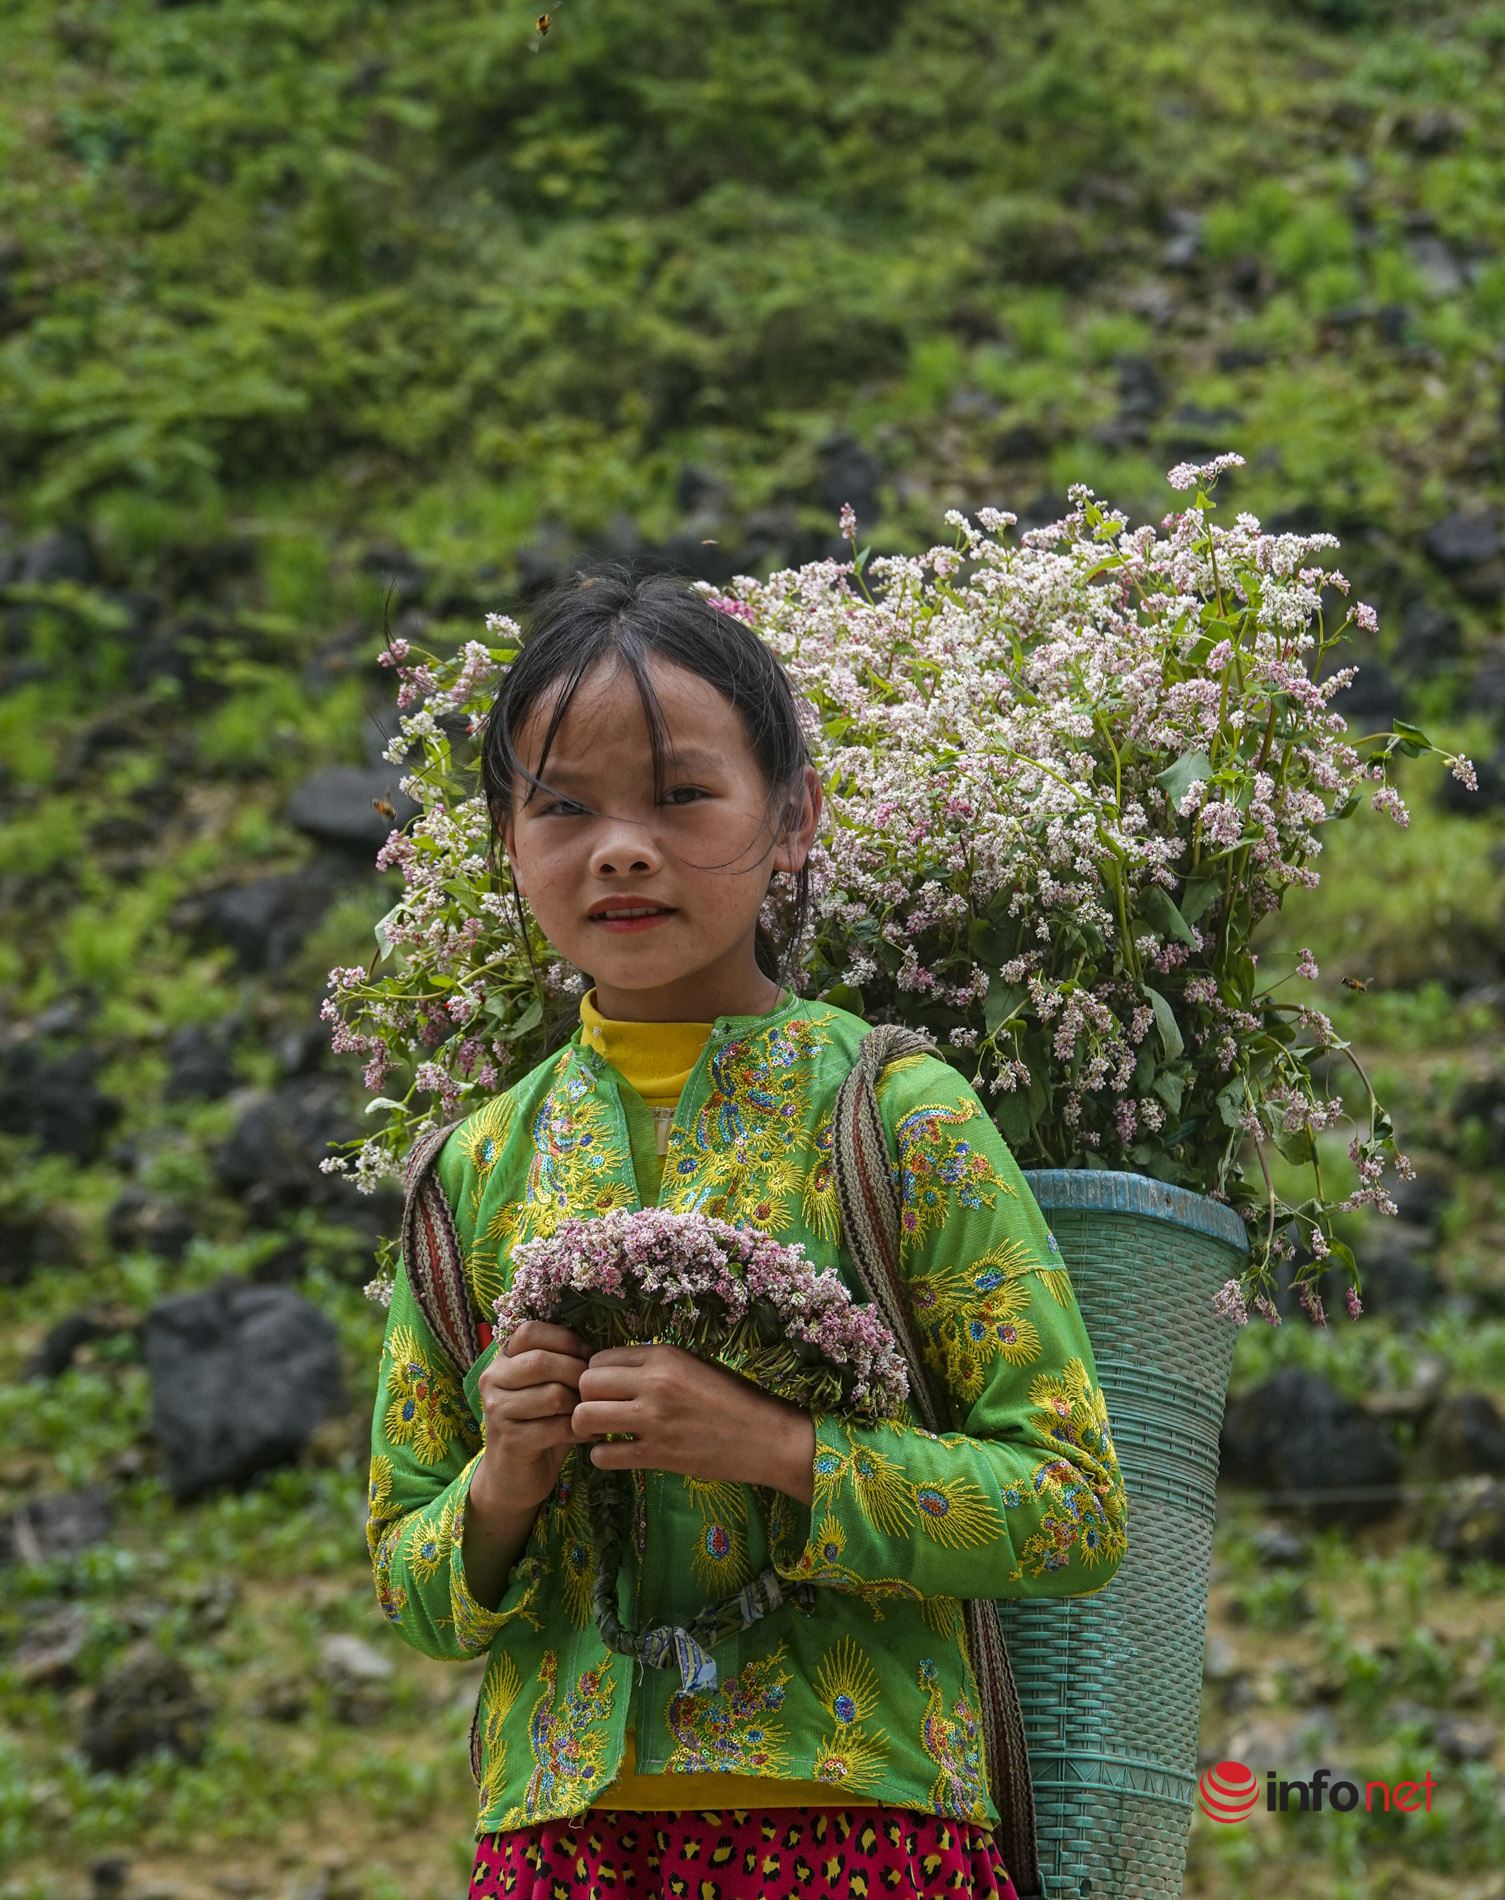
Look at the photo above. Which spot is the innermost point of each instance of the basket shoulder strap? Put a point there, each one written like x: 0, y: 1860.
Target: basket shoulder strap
x: 867, y: 1194
x: 433, y: 1257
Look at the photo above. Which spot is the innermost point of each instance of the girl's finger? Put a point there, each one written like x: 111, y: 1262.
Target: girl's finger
x: 526, y: 1437
x: 596, y: 1420
x: 610, y: 1382
x: 533, y: 1401
x: 532, y: 1368
x: 625, y: 1355
x: 538, y: 1335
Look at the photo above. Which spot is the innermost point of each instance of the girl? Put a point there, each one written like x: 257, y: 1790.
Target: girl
x: 646, y: 773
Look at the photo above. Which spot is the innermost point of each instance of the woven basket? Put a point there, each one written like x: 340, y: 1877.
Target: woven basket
x: 1111, y: 1684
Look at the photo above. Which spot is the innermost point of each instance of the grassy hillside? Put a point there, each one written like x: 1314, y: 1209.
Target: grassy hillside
x: 319, y: 315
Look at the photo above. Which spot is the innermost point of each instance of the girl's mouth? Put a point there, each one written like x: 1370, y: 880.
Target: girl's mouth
x: 624, y: 917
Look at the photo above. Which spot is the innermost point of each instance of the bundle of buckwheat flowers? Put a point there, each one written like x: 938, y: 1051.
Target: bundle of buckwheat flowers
x: 1069, y: 775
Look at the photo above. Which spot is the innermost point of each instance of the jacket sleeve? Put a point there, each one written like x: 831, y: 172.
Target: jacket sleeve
x: 424, y: 1444
x: 1024, y: 1498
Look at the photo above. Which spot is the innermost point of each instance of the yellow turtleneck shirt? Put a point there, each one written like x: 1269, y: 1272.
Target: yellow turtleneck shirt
x: 655, y: 1059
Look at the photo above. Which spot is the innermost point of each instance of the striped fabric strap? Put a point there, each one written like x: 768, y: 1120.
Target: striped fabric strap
x: 432, y: 1255
x: 867, y: 1193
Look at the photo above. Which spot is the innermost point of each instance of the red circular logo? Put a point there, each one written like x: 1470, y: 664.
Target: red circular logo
x: 1228, y: 1792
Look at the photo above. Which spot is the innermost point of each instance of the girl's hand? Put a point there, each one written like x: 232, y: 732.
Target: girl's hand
x: 528, y: 1395
x: 697, y: 1419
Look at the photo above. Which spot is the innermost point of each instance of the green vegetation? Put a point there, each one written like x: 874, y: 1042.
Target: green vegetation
x: 317, y: 314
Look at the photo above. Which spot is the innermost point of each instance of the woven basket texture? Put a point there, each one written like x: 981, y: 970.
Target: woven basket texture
x: 1111, y: 1684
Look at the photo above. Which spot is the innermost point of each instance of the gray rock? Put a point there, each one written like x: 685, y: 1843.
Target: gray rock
x: 201, y: 1065
x: 53, y: 1099
x: 267, y: 921
x: 1142, y: 393
x: 1393, y: 1280
x: 57, y: 1524
x: 149, y: 1223
x: 1371, y: 698
x: 272, y: 1159
x: 1467, y: 1437
x: 1296, y: 1435
x: 241, y: 1377
x: 1430, y: 639
x: 50, y: 1647
x: 1435, y: 263
x: 1471, y: 1525
x: 1465, y: 539
x: 146, y: 1704
x: 63, y: 555
x: 358, y: 1678
x: 108, y: 1876
x: 1460, y: 1739
x: 1483, y: 1102
x: 1276, y: 1546
x: 848, y: 473
x: 338, y: 807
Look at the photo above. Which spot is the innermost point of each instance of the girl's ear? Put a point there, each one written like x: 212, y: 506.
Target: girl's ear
x: 802, y: 822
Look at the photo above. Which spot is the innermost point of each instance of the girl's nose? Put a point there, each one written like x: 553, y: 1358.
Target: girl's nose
x: 624, y: 850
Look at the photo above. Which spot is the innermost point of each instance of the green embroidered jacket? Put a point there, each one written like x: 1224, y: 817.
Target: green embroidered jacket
x: 872, y: 1692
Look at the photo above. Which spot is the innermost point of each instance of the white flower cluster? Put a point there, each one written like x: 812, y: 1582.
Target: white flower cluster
x: 1068, y: 775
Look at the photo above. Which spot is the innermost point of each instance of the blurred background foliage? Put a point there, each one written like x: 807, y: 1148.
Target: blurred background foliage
x: 321, y: 317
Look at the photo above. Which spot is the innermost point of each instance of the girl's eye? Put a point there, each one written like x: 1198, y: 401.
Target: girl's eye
x: 564, y: 808
x: 685, y: 795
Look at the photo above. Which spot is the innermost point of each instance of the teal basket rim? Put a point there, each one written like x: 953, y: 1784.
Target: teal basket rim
x: 1108, y: 1190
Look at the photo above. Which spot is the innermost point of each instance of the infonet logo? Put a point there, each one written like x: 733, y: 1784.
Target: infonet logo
x: 1229, y: 1792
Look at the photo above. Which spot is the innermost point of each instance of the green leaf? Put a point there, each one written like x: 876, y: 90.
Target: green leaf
x: 1169, y: 1087
x: 1199, y: 897
x: 383, y: 941
x: 845, y: 996
x: 1230, y: 1100
x: 1413, y: 733
x: 1001, y: 1002
x: 1165, y: 1022
x: 1344, y: 1255
x: 1295, y: 1145
x: 531, y: 1017
x: 1015, y: 1117
x: 1160, y: 912
x: 1177, y: 780
x: 1349, y: 806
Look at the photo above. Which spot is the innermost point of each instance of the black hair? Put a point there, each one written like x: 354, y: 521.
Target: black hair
x: 614, y: 614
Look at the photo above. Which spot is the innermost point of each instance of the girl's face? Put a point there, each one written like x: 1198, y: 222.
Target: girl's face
x: 655, y: 892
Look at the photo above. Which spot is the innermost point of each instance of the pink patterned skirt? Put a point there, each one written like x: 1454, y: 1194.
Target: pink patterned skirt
x: 741, y: 1854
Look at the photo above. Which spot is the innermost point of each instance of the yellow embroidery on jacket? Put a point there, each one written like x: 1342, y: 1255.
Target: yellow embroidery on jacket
x: 571, y: 1172
x: 378, y: 1498
x: 883, y: 1491
x: 731, y: 1729
x: 575, y: 1551
x: 429, y: 1543
x: 391, y: 1598
x: 719, y: 1557
x: 937, y: 1168
x: 569, y: 1743
x: 1086, y: 1510
x: 957, y: 1513
x: 818, y: 1204
x: 501, y: 1688
x: 424, y: 1406
x: 484, y: 1135
x: 846, y: 1686
x: 954, y: 1743
x: 744, y: 1155
x: 970, y: 1316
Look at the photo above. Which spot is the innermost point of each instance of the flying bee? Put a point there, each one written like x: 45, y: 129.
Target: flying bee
x: 1358, y: 983
x: 544, y: 22
x: 387, y: 809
